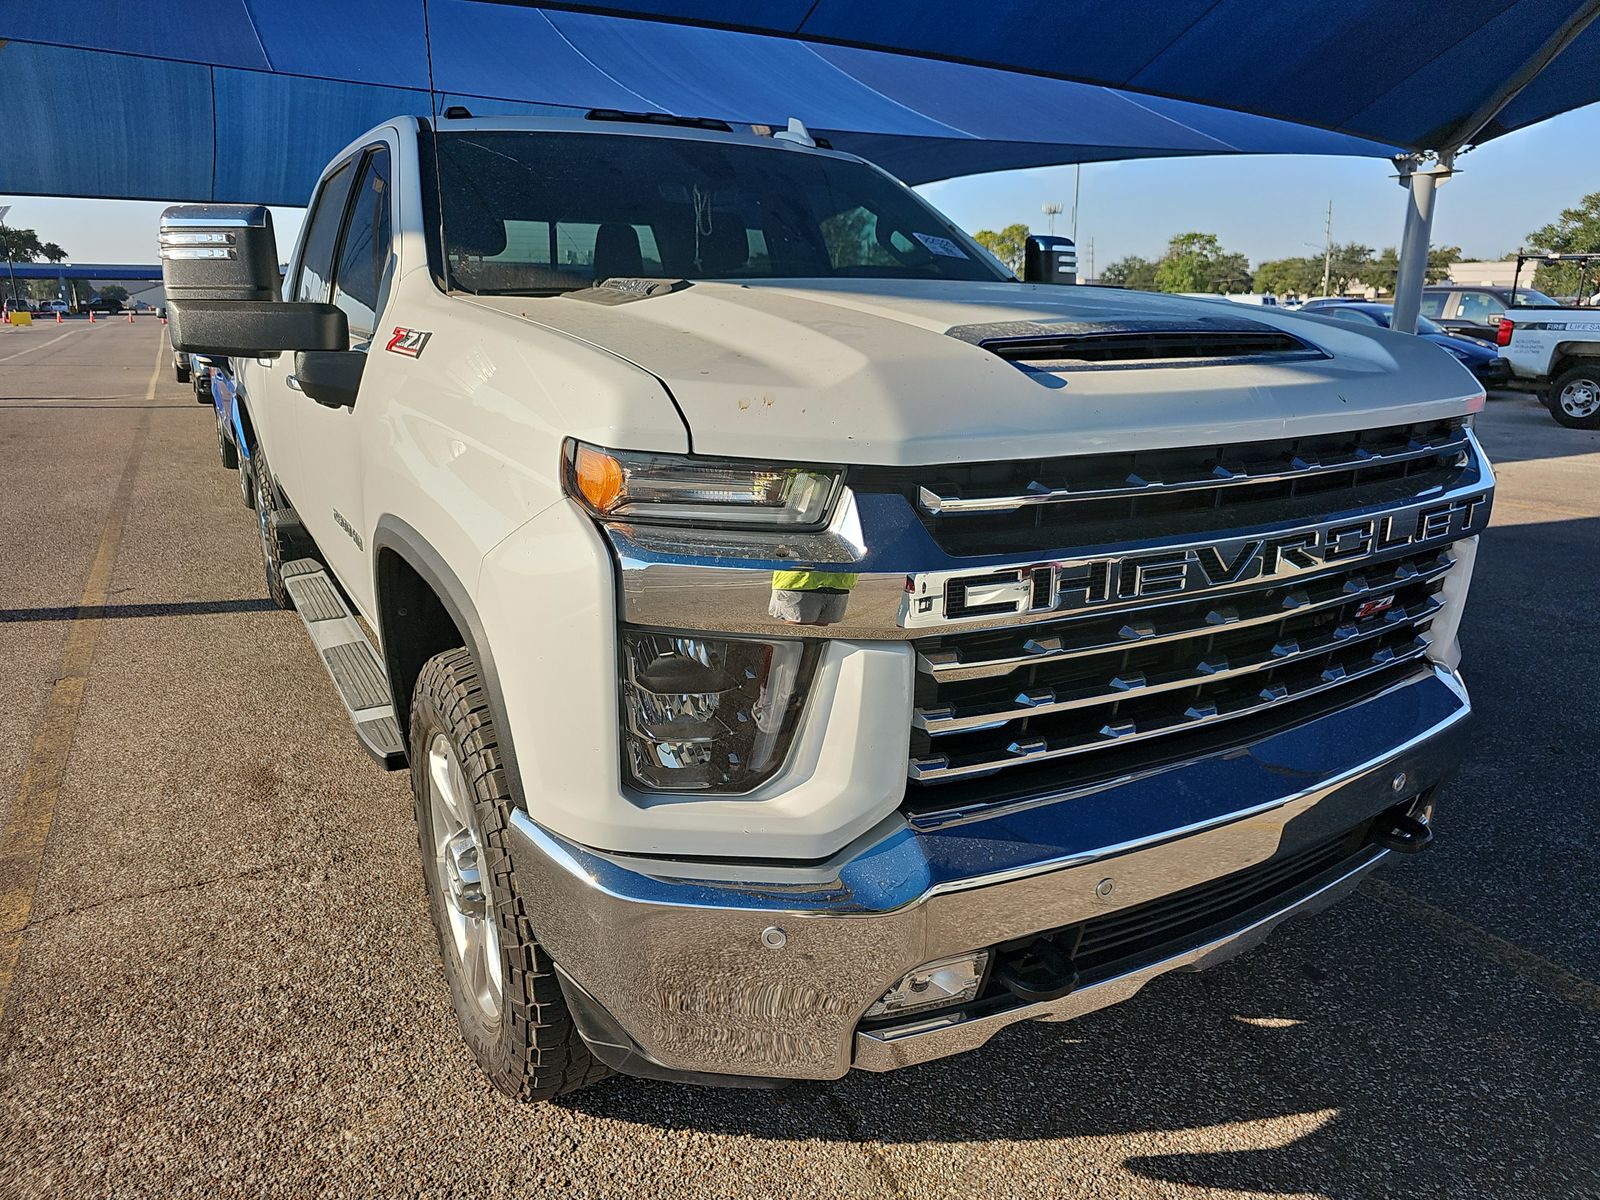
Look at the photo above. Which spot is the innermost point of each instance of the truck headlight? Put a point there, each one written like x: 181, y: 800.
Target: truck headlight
x: 628, y: 485
x: 709, y: 713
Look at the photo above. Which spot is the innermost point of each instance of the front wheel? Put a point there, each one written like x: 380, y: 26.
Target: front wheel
x: 1575, y: 397
x: 508, y: 1001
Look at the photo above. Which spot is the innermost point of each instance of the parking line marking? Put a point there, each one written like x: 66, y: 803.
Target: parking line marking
x: 1574, y: 988
x: 42, y: 345
x: 27, y: 831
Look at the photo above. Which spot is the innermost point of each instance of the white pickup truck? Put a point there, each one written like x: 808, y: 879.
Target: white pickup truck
x: 1555, y: 351
x: 813, y: 648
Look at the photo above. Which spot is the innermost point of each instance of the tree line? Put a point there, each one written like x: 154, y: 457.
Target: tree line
x: 1198, y: 262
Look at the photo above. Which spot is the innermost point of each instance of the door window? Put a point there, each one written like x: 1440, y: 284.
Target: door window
x: 364, y: 253
x: 1433, y: 304
x: 1479, y: 308
x: 322, y: 231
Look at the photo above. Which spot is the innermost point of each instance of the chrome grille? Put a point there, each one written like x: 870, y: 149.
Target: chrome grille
x: 1043, y: 689
x: 988, y: 508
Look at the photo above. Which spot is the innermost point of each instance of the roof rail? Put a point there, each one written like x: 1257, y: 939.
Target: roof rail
x: 657, y: 118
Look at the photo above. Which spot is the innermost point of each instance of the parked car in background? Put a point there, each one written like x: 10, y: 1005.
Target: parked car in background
x: 1323, y: 302
x: 1474, y: 310
x: 101, y: 305
x: 1478, y: 356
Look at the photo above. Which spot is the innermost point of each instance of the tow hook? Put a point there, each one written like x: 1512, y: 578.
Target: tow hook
x: 1398, y: 830
x: 1036, y: 971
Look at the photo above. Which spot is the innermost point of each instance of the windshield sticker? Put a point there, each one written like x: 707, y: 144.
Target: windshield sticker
x: 408, y: 342
x: 939, y: 245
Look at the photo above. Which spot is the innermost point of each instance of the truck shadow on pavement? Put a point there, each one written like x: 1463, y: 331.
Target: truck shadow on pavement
x: 176, y: 608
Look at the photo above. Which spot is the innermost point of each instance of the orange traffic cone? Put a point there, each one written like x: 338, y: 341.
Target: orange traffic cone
x: 91, y: 316
x: 130, y: 316
x: 58, y: 316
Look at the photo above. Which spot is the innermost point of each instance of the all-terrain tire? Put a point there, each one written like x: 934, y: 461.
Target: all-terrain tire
x: 1574, y: 398
x: 524, y: 1039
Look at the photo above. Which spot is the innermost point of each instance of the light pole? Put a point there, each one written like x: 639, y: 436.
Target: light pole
x: 1052, y: 210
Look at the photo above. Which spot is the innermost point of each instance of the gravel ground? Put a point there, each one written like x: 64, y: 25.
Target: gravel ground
x: 228, y: 984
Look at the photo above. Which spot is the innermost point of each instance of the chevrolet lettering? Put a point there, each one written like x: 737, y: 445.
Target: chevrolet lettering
x: 940, y: 598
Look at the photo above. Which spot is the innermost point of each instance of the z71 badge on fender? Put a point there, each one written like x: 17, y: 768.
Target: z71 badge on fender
x: 408, y: 342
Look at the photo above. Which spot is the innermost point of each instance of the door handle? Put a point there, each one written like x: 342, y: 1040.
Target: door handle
x: 294, y: 384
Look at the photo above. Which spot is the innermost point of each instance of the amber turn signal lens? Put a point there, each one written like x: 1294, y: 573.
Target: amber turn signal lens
x: 599, y: 478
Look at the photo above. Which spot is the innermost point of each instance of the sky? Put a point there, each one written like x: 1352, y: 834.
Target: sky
x: 1263, y: 206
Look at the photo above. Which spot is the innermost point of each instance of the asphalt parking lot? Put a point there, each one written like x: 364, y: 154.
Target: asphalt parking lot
x: 226, y: 981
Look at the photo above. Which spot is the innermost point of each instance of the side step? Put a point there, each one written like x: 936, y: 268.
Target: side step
x: 351, y: 661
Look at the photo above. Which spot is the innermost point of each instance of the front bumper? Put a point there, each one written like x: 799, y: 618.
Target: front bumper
x: 735, y: 972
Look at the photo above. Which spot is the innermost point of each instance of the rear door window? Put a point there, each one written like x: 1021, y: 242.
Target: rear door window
x: 1433, y: 304
x: 1479, y: 307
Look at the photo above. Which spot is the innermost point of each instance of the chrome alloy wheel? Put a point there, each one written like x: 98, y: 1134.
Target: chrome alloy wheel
x: 458, y: 861
x: 1580, y: 398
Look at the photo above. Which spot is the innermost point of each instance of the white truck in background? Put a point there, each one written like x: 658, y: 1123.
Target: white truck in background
x: 814, y: 649
x: 1554, y: 350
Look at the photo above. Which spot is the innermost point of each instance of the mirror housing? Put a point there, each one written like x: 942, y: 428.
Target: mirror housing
x: 219, y: 265
x: 330, y: 377
x: 1049, y: 259
x: 218, y: 252
x: 255, y: 328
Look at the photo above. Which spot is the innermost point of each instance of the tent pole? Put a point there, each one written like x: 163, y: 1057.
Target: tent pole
x: 1420, y: 183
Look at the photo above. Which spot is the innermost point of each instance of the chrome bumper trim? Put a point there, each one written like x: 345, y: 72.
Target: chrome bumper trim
x: 682, y: 954
x: 913, y: 1043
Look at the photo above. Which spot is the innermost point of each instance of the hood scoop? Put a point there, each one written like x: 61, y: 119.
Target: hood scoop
x: 1121, y: 344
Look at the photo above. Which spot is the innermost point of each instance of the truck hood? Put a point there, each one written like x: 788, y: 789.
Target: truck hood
x: 868, y: 371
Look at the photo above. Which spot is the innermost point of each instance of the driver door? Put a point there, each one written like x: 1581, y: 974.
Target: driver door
x: 331, y: 484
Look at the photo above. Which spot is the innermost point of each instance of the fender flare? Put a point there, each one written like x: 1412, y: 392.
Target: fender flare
x: 396, y: 535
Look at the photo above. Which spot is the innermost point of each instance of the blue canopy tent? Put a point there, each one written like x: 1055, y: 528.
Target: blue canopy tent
x: 245, y: 99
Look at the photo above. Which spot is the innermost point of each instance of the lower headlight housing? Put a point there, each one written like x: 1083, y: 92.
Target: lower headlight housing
x: 709, y: 714
x: 933, y: 985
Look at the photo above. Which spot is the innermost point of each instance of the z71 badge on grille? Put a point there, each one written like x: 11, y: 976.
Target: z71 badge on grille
x: 946, y: 597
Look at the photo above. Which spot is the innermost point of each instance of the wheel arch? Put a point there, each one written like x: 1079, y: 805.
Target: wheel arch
x: 1572, y: 354
x: 244, y: 430
x: 424, y: 609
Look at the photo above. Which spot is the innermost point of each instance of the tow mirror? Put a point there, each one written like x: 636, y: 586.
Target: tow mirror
x: 330, y: 377
x: 219, y: 266
x: 1049, y: 259
x: 255, y: 328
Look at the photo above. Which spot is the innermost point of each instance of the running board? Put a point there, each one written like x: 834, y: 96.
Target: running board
x: 352, y: 663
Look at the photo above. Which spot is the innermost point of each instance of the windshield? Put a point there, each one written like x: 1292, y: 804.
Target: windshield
x: 532, y: 213
x: 1426, y: 326
x: 1531, y: 297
